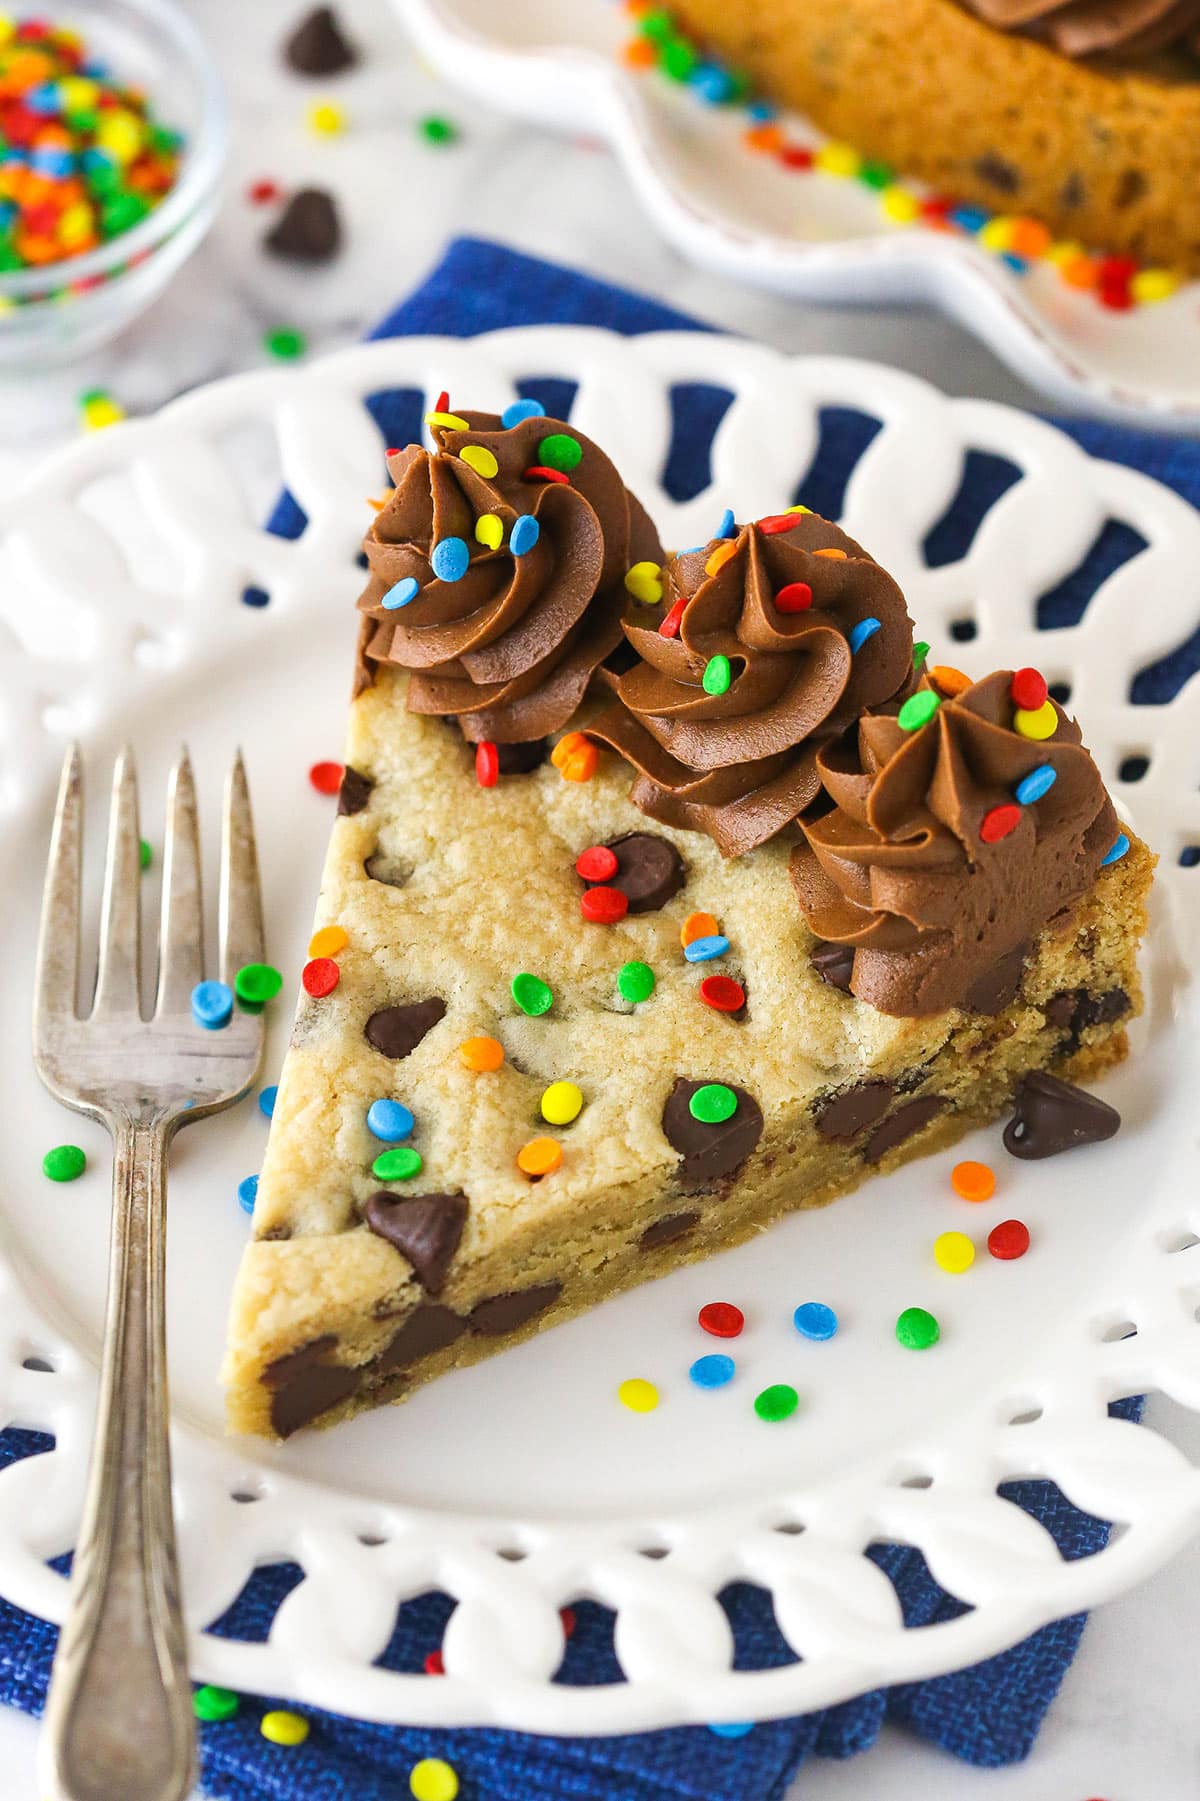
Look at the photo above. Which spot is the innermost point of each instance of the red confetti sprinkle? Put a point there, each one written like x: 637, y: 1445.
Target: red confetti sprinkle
x: 1028, y: 689
x: 597, y: 863
x: 1117, y: 269
x: 391, y: 451
x: 604, y: 906
x: 1116, y: 295
x: 723, y: 993
x: 260, y: 192
x: 795, y: 598
x: 537, y: 472
x: 670, y: 625
x: 779, y: 522
x: 433, y: 1664
x: 1009, y: 1239
x: 443, y: 402
x: 937, y: 206
x: 796, y: 156
x: 326, y: 778
x: 721, y: 1318
x: 320, y: 977
x: 567, y: 1616
x: 487, y: 764
x: 998, y: 822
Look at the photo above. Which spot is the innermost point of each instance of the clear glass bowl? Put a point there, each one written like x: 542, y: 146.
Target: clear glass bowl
x: 58, y: 311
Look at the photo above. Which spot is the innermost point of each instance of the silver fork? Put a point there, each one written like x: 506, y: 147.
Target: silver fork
x: 119, y: 1721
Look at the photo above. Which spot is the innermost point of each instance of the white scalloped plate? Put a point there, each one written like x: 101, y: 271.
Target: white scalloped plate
x: 522, y: 1485
x: 819, y: 239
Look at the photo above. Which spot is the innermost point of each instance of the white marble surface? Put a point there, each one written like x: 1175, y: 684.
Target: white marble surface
x: 1125, y: 1726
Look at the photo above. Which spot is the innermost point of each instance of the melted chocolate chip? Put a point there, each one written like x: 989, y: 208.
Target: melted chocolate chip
x: 998, y: 173
x: 1073, y: 1009
x: 834, y: 963
x: 425, y: 1228
x: 318, y: 45
x: 1131, y: 188
x: 305, y: 1386
x: 1052, y: 1116
x: 666, y: 1231
x: 999, y: 985
x: 501, y: 1313
x: 354, y: 792
x: 709, y: 1152
x: 649, y: 870
x: 398, y: 1030
x: 902, y: 1124
x: 843, y: 1116
x: 519, y: 759
x: 308, y: 230
x: 426, y: 1330
x: 389, y: 870
x: 1060, y: 1008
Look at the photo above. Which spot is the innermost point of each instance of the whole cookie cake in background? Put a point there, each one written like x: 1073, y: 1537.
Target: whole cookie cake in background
x: 669, y: 893
x: 1082, y: 113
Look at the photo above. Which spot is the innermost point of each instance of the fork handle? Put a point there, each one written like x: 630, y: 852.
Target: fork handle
x: 119, y: 1718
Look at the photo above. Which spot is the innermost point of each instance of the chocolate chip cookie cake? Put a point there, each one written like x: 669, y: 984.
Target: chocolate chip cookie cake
x: 668, y: 894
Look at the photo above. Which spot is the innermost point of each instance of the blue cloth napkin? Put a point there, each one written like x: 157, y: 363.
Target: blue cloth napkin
x: 988, y: 1715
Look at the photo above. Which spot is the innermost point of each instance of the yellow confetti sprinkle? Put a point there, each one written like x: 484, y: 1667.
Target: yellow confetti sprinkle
x: 1151, y: 285
x: 644, y: 582
x: 433, y: 1780
x: 953, y: 1252
x: 897, y: 204
x: 326, y: 118
x: 561, y: 1103
x: 448, y: 421
x: 638, y: 1395
x: 479, y: 458
x: 489, y: 530
x: 283, y: 1728
x: 1043, y: 723
x: 838, y: 159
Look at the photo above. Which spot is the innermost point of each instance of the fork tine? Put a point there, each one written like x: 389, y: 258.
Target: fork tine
x: 181, y: 938
x: 58, y: 940
x: 241, y: 921
x: 117, y: 981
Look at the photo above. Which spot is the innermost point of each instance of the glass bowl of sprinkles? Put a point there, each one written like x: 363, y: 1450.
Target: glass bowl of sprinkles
x: 112, y: 139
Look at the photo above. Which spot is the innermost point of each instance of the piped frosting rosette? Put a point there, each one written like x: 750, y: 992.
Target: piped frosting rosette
x: 495, y: 572
x: 761, y: 645
x: 961, y: 823
x: 1082, y: 28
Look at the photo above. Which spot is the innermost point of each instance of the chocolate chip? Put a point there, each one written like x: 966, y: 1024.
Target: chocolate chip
x: 834, y: 963
x: 843, y: 1116
x: 519, y: 759
x: 308, y: 230
x: 425, y: 1228
x: 649, y: 870
x: 355, y: 791
x: 1052, y: 1116
x: 1072, y: 193
x: 318, y: 45
x: 389, y: 870
x: 902, y: 1124
x: 1131, y: 188
x: 501, y: 1313
x: 1060, y: 1008
x: 666, y: 1231
x: 426, y: 1330
x: 709, y: 1152
x: 305, y: 1386
x: 997, y: 173
x: 1073, y: 1009
x: 998, y: 986
x: 398, y: 1030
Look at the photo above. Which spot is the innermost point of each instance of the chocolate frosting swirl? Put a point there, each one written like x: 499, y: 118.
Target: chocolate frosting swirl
x: 898, y: 869
x: 1082, y: 28
x: 741, y: 764
x: 510, y: 647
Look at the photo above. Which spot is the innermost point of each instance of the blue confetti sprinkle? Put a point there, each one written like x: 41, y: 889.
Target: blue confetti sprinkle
x: 408, y: 588
x: 389, y: 1120
x: 247, y: 1193
x: 735, y: 1729
x: 1018, y: 264
x: 761, y: 111
x: 266, y: 1100
x: 703, y: 950
x: 813, y: 1319
x: 725, y: 529
x: 519, y: 411
x: 1117, y: 852
x: 524, y: 535
x: 212, y: 1004
x: 866, y: 628
x: 1039, y: 781
x: 450, y: 559
x: 713, y: 1371
x: 713, y: 84
x: 255, y: 597
x: 969, y: 218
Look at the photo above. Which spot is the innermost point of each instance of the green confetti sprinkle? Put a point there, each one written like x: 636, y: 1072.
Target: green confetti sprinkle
x: 920, y: 653
x: 918, y: 710
x: 717, y: 675
x: 286, y: 344
x: 678, y: 59
x: 531, y: 994
x: 145, y: 853
x: 713, y: 1103
x: 917, y: 1330
x: 209, y: 1703
x: 876, y: 175
x: 397, y: 1165
x: 560, y: 451
x: 257, y: 983
x: 777, y: 1402
x: 657, y: 25
x: 436, y: 130
x: 64, y: 1163
x: 635, y: 982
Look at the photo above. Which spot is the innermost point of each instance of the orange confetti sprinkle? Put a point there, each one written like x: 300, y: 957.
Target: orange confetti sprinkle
x: 834, y: 555
x: 575, y: 757
x: 973, y: 1181
x: 720, y: 557
x: 948, y: 679
x: 540, y: 1157
x: 481, y: 1053
x: 1030, y: 238
x: 698, y: 925
x: 1079, y: 272
x: 639, y: 53
x: 763, y: 137
x: 566, y: 747
x: 328, y: 941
